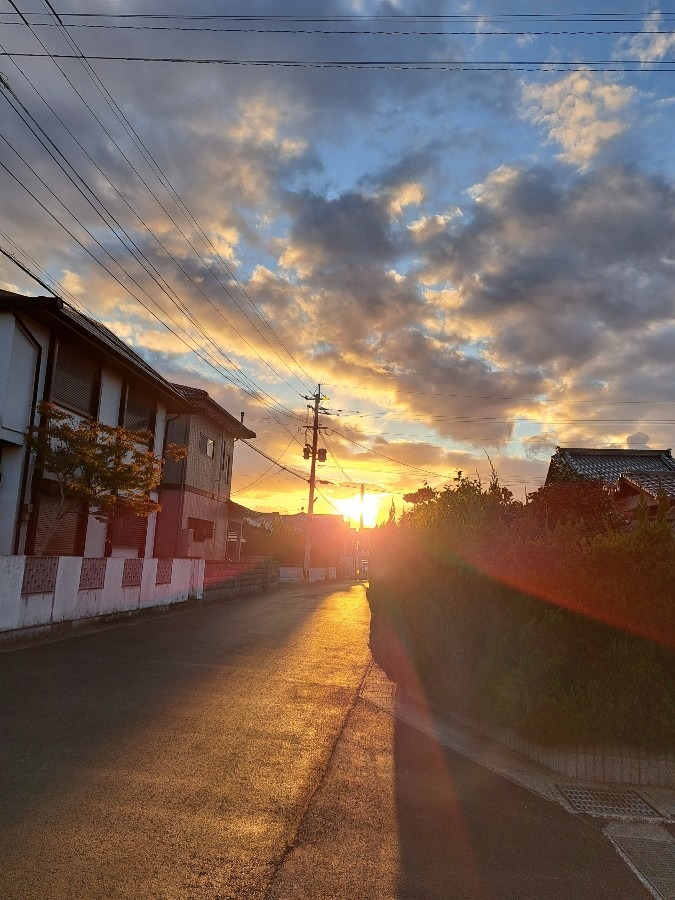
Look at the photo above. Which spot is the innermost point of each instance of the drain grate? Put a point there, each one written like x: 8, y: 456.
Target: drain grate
x: 607, y: 802
x: 650, y: 851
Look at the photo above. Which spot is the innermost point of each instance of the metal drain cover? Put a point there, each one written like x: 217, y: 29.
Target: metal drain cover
x: 607, y: 802
x: 650, y: 851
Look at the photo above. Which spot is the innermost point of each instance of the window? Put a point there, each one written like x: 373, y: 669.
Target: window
x: 139, y: 412
x: 206, y: 445
x: 75, y: 384
x: 127, y: 530
x: 226, y: 462
x: 67, y: 540
x: 202, y: 530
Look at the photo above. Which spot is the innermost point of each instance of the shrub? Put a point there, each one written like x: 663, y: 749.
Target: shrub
x: 566, y: 633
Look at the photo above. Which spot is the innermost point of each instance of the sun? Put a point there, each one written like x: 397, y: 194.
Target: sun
x: 350, y: 507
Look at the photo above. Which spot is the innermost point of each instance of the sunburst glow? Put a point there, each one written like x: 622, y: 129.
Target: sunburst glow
x: 350, y: 507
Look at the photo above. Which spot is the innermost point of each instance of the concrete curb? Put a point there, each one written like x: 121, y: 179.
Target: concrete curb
x: 606, y: 764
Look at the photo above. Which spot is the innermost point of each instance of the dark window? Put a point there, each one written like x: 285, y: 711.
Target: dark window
x: 202, y: 530
x: 206, y: 445
x: 76, y: 381
x: 127, y: 530
x: 67, y: 538
x: 139, y: 412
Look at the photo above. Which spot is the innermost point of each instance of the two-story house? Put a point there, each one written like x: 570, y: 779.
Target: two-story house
x: 50, y: 351
x: 195, y: 491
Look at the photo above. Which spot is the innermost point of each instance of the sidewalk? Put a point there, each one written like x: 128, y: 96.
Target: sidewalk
x: 407, y: 809
x: 639, y: 820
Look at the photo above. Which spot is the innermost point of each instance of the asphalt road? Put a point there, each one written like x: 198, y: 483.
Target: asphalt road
x: 224, y: 753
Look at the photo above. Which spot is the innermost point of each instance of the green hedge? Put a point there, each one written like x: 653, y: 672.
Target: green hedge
x: 565, y: 637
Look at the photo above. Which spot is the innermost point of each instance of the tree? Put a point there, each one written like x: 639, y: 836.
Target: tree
x: 425, y: 494
x: 109, y: 469
x: 574, y: 501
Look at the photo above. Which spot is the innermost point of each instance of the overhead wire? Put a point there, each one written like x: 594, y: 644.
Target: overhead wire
x: 207, y: 359
x: 254, y: 388
x: 271, y: 459
x: 266, y: 472
x: 360, y: 32
x: 634, y: 66
x: 148, y: 158
x: 599, y: 16
x: 230, y: 376
x: 119, y: 229
x: 168, y: 186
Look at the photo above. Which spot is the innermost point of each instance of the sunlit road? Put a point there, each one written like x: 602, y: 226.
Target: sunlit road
x: 173, y: 758
x: 223, y: 753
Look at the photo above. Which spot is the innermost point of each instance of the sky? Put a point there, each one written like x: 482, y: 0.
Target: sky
x: 460, y: 224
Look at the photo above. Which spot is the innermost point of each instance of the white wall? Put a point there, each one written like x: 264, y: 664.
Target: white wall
x: 111, y: 394
x: 11, y: 467
x: 68, y: 603
x: 18, y: 359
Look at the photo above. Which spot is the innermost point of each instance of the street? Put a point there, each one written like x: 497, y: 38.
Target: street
x: 224, y: 752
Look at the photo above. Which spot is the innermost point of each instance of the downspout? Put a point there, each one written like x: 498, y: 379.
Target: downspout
x: 26, y: 463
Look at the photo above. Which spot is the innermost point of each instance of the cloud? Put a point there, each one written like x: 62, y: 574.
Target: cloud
x: 581, y: 112
x: 327, y: 233
x: 639, y: 440
x: 648, y: 45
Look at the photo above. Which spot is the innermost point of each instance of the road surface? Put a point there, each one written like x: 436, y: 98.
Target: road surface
x: 223, y: 752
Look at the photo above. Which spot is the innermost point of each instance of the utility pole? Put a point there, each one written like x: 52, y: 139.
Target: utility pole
x: 359, y: 548
x: 312, y: 481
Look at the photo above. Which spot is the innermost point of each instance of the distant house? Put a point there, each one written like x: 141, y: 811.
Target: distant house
x: 195, y: 491
x: 606, y: 465
x: 333, y: 539
x: 634, y: 488
x: 49, y: 351
x: 631, y: 476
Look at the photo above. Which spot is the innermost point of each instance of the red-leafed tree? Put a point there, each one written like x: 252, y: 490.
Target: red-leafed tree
x: 107, y: 468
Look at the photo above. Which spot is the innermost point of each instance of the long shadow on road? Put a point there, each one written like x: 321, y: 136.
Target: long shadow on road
x: 465, y: 832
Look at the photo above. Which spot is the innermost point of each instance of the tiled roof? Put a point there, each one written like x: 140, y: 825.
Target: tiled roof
x: 51, y: 309
x: 106, y: 336
x: 607, y: 465
x: 652, y: 482
x: 206, y: 404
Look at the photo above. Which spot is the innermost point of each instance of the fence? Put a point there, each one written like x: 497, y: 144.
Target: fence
x: 41, y: 592
x: 225, y: 580
x: 294, y: 575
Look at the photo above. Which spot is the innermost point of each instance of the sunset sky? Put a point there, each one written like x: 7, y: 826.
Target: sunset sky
x: 471, y: 263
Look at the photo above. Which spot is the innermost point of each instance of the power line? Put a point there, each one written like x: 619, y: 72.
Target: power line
x: 217, y: 366
x: 240, y: 380
x: 118, y: 230
x: 384, y: 456
x: 168, y: 186
x: 360, y: 32
x: 434, y: 17
x: 270, y: 459
x: 164, y: 181
x: 266, y: 472
x: 501, y: 65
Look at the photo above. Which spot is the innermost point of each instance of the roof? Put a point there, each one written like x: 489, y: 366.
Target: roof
x: 205, y: 403
x: 606, y: 465
x: 651, y: 482
x: 53, y: 309
x: 236, y: 512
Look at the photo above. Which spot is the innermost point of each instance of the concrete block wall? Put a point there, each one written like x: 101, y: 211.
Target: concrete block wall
x: 21, y: 612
